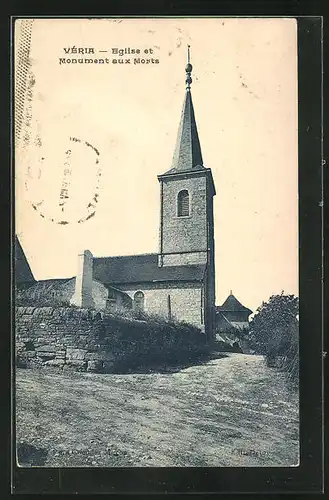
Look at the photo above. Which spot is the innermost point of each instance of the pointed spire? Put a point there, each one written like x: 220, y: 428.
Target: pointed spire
x: 187, y: 155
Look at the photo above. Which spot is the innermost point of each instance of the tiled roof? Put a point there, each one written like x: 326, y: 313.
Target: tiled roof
x: 225, y: 318
x: 142, y: 269
x: 233, y: 305
x: 23, y: 273
x: 49, y: 285
x: 55, y: 282
x: 58, y: 284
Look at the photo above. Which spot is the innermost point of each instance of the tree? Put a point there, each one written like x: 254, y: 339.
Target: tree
x: 274, y: 332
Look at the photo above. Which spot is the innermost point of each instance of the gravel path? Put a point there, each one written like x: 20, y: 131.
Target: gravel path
x: 231, y: 411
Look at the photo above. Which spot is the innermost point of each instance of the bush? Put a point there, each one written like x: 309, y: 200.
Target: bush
x: 23, y: 300
x: 274, y: 333
x: 153, y: 340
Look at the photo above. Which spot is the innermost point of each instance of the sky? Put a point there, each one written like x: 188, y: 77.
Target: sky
x: 124, y: 118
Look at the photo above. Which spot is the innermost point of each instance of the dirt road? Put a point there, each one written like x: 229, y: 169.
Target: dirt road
x: 231, y: 411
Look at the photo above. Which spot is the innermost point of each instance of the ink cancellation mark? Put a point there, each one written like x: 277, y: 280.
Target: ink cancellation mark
x: 66, y: 208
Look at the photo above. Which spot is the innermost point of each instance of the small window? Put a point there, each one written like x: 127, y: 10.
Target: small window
x: 139, y: 301
x: 183, y: 203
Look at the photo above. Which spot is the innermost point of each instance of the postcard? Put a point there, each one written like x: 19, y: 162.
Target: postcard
x: 156, y: 223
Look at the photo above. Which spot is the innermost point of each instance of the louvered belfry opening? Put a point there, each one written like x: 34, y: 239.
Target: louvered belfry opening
x: 183, y: 203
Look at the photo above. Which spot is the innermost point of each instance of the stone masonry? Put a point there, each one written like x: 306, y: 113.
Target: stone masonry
x: 85, y: 340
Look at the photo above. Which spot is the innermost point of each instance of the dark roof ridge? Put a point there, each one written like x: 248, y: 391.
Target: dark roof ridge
x: 55, y: 279
x: 120, y: 256
x: 194, y: 170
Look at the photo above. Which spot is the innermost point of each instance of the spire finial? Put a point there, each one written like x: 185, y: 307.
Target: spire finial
x: 231, y: 292
x: 188, y: 70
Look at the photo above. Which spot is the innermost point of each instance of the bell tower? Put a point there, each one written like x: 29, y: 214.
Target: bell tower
x: 186, y: 196
x: 186, y: 236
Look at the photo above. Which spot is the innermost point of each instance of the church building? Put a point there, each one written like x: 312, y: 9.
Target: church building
x: 177, y: 282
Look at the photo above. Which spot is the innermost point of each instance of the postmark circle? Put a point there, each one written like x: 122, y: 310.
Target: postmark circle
x: 63, y: 181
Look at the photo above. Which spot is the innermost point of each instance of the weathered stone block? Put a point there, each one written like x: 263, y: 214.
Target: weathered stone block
x: 78, y: 365
x: 46, y: 356
x: 94, y: 366
x: 60, y: 355
x: 54, y: 362
x: 75, y: 354
x: 94, y: 356
x: 40, y: 312
x: 68, y: 340
x: 29, y: 310
x: 25, y: 319
x: 46, y: 348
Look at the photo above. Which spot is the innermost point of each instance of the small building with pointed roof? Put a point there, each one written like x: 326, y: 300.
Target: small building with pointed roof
x: 232, y: 315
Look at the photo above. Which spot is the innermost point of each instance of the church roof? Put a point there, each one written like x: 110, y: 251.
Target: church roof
x: 232, y: 304
x: 57, y: 285
x: 142, y: 269
x: 23, y: 273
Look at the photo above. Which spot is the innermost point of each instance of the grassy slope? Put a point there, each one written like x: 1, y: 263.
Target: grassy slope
x: 232, y: 411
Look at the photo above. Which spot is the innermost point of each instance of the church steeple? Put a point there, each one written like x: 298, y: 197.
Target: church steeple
x: 187, y: 154
x: 186, y: 236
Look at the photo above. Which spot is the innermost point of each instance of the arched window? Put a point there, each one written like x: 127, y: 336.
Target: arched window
x: 139, y: 301
x: 183, y: 202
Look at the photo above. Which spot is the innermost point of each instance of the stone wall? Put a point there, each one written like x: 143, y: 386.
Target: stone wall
x: 84, y: 340
x: 185, y: 300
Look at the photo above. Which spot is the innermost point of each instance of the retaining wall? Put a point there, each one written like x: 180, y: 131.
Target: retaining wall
x: 85, y: 340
